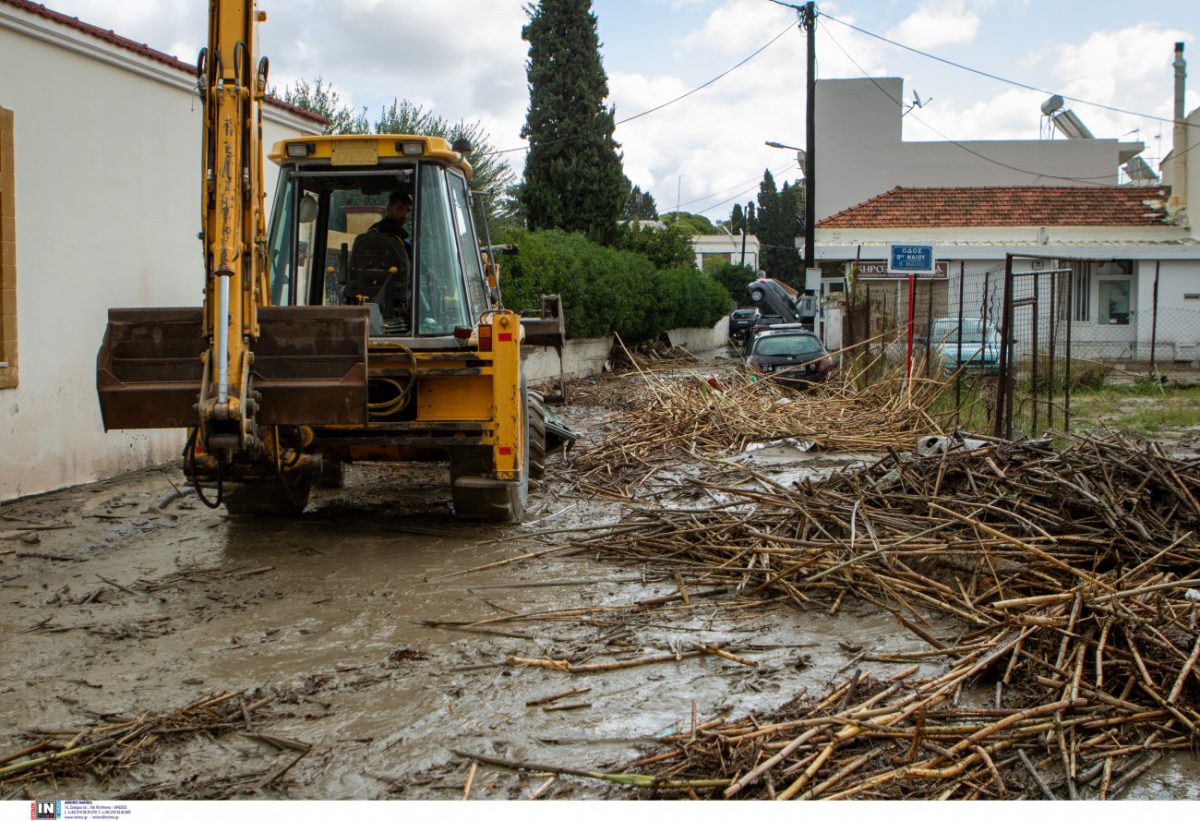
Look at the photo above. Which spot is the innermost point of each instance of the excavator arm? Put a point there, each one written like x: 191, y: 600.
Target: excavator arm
x: 237, y: 369
x: 232, y: 86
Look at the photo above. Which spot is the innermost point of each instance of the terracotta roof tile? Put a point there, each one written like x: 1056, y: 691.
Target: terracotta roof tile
x: 142, y: 49
x: 1026, y: 205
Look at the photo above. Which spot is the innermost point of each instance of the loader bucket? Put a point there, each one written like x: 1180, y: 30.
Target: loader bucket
x: 310, y: 366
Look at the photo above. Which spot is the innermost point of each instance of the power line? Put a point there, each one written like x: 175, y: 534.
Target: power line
x: 785, y: 167
x: 661, y: 106
x: 743, y: 193
x: 1000, y: 79
x: 968, y: 149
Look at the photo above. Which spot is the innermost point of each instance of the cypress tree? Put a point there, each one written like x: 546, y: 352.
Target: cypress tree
x: 640, y: 205
x: 777, y: 230
x: 573, y: 174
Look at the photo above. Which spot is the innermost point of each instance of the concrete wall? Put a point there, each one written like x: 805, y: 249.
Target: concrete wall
x: 585, y: 357
x: 861, y: 153
x: 107, y: 157
x: 701, y: 340
x: 580, y: 357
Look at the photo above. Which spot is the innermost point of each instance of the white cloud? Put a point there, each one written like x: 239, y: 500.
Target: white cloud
x: 938, y: 23
x: 1128, y: 68
x: 714, y: 138
x: 1012, y: 114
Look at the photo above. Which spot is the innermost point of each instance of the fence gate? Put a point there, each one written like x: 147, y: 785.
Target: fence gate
x: 1034, y: 386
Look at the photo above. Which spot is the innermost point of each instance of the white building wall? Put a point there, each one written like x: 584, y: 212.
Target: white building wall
x: 1178, y: 329
x: 861, y: 153
x: 704, y: 244
x: 107, y: 157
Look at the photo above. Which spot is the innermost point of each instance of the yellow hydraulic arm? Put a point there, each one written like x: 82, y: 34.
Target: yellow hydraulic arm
x: 232, y: 84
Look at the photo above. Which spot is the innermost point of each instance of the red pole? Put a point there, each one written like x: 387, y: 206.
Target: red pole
x: 912, y: 287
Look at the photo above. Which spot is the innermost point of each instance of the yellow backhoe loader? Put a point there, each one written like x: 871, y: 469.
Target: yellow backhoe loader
x: 338, y: 335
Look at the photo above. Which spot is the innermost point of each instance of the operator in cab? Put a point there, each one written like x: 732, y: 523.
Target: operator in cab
x: 398, y: 208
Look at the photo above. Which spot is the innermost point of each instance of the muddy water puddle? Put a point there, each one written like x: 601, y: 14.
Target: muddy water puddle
x: 380, y: 643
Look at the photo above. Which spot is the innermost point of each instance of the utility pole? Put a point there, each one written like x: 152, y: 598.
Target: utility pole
x: 810, y: 171
x: 808, y: 21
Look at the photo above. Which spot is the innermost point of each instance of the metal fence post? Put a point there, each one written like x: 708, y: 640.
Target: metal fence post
x: 1033, y: 345
x: 1154, y: 318
x: 962, y: 278
x: 1067, y: 367
x: 1003, y: 422
x: 1054, y: 340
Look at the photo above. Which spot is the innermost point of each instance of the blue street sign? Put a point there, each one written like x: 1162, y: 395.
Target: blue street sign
x: 910, y: 259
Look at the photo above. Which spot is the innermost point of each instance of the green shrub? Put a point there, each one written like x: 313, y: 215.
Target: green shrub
x: 734, y: 278
x: 604, y: 289
x: 668, y: 247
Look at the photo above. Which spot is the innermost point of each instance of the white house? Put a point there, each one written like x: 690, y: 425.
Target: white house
x: 718, y: 249
x: 1113, y: 246
x: 99, y: 207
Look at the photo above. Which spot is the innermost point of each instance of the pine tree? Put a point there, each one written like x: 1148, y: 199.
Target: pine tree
x: 492, y: 178
x: 573, y: 175
x: 321, y: 98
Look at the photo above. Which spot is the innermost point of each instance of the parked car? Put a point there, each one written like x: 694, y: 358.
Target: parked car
x: 741, y: 321
x: 772, y: 297
x: 795, y: 356
x: 977, y: 352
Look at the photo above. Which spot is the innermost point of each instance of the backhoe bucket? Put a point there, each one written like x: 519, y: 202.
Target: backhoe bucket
x: 310, y: 366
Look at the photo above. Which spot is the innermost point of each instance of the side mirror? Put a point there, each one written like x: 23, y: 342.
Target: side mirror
x: 308, y: 209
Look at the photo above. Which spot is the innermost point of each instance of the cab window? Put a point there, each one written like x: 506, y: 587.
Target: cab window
x: 467, y: 241
x: 441, y: 298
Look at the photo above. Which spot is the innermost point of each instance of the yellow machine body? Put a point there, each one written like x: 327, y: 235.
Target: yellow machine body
x: 313, y: 347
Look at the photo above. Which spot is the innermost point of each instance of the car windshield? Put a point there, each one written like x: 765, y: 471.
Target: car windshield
x: 787, y: 345
x: 946, y: 330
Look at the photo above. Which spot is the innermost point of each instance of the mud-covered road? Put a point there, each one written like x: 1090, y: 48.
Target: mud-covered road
x: 122, y: 599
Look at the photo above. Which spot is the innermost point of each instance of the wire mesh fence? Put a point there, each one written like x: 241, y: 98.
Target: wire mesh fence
x: 1016, y: 337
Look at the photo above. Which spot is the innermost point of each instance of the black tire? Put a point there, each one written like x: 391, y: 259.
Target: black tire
x: 503, y: 503
x: 285, y: 495
x: 332, y: 473
x: 756, y: 295
x: 537, y: 435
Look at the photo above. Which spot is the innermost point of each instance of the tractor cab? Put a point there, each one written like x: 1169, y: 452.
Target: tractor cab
x: 421, y: 280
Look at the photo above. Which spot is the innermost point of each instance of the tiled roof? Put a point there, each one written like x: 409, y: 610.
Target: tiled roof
x: 142, y: 49
x: 1028, y: 205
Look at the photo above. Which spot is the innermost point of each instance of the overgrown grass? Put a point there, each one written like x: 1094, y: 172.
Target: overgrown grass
x: 1144, y: 409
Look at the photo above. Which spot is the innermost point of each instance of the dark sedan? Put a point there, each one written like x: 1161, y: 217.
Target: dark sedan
x: 795, y: 357
x: 741, y: 321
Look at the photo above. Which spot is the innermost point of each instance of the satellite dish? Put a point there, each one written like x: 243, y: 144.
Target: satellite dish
x: 916, y: 103
x: 1052, y: 105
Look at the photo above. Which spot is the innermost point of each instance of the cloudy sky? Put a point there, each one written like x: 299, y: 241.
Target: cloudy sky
x: 464, y: 59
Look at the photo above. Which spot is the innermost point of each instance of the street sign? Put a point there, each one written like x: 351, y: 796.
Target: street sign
x: 911, y: 259
x: 878, y: 269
